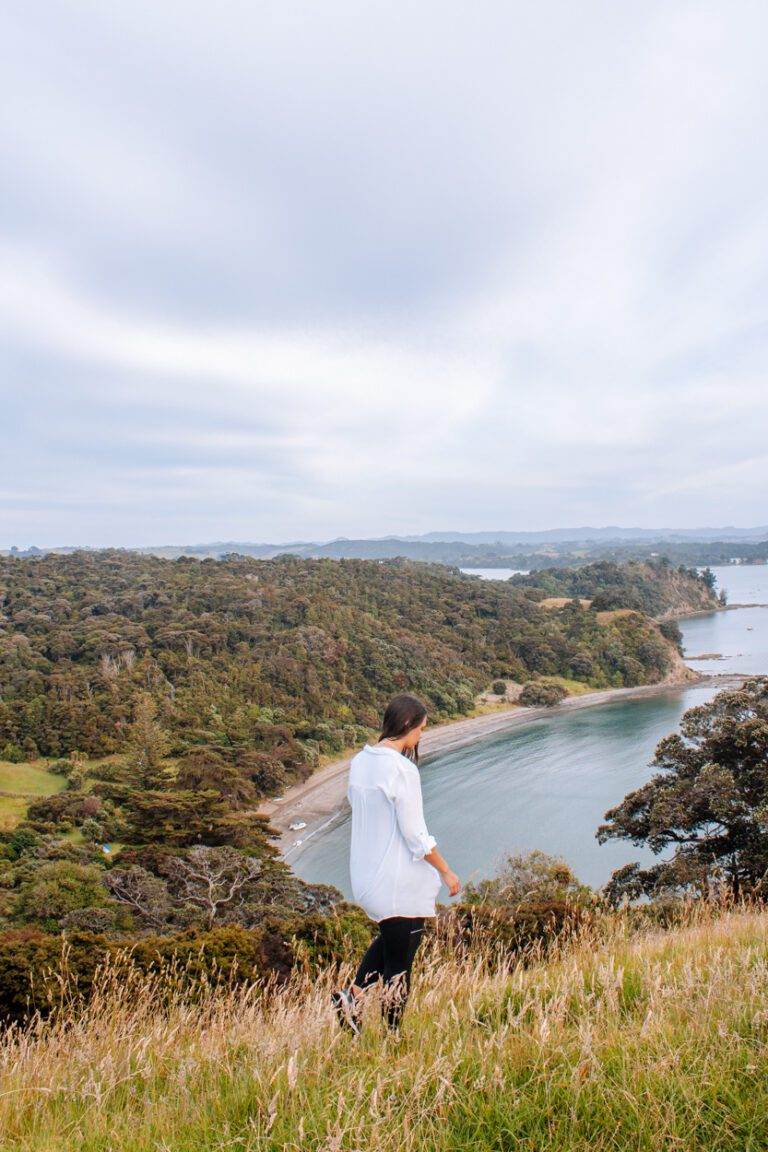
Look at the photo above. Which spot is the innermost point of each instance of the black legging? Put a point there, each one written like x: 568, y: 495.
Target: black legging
x: 390, y: 958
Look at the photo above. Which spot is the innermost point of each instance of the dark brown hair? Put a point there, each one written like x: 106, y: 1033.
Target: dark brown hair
x: 403, y: 714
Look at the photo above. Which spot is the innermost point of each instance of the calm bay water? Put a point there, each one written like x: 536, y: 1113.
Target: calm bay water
x: 549, y: 783
x: 495, y: 573
x: 740, y: 638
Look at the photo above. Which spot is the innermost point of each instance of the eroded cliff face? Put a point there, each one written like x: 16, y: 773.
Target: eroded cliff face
x: 679, y: 672
x: 684, y: 596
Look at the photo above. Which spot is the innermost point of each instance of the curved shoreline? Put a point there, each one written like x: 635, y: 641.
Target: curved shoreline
x: 321, y: 798
x: 708, y: 611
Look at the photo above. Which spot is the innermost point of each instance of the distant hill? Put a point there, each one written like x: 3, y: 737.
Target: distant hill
x: 555, y: 547
x: 578, y: 535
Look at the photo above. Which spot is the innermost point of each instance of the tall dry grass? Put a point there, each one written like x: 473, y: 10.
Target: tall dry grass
x: 654, y: 1040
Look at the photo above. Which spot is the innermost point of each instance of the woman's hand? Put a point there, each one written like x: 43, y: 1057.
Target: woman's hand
x: 449, y: 878
x: 452, y: 882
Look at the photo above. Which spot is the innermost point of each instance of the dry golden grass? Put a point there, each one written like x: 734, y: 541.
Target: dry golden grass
x: 13, y: 809
x: 655, y: 1041
x: 614, y: 613
x: 561, y: 601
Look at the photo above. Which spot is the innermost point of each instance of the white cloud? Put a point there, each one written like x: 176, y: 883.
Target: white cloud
x: 346, y: 375
x: 298, y: 271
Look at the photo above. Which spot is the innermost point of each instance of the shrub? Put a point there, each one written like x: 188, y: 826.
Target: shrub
x: 22, y: 839
x: 230, y: 953
x: 487, y: 930
x: 582, y: 666
x: 67, y: 805
x: 40, y: 972
x: 57, y: 888
x: 539, y: 693
x: 632, y: 671
x: 329, y: 939
x: 61, y: 767
x: 96, y: 920
x: 670, y: 630
x: 499, y: 687
x: 93, y: 831
x: 527, y: 877
x: 25, y: 957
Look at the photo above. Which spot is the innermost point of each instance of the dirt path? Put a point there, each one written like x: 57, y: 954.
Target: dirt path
x: 322, y: 798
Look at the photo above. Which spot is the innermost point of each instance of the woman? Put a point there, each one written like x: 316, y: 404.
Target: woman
x: 395, y: 866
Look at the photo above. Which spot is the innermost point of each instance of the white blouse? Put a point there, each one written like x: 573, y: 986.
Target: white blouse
x: 389, y: 874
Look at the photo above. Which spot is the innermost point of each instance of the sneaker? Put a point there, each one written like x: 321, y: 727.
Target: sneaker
x: 346, y: 1010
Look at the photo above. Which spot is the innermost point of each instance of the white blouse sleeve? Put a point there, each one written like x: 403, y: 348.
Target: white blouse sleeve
x: 410, y: 814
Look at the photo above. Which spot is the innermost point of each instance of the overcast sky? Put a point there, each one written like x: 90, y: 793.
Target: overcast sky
x: 275, y: 271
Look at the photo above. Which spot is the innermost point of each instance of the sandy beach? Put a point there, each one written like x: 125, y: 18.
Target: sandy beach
x: 319, y: 800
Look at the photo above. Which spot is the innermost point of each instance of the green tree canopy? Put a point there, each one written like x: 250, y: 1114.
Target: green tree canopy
x: 708, y: 803
x: 57, y: 888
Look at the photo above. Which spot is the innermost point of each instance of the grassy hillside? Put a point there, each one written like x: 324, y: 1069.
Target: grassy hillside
x: 651, y: 1041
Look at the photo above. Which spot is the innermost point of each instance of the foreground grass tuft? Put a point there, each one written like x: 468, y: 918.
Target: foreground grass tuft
x: 654, y: 1041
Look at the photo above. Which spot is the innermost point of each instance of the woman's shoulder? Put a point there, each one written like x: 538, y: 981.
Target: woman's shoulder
x: 382, y: 760
x: 373, y: 758
x: 391, y: 756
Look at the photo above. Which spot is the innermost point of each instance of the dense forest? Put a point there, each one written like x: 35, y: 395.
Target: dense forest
x: 288, y: 657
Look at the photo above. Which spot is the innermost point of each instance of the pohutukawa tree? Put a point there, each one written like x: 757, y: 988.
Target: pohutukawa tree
x: 215, y: 881
x: 709, y: 803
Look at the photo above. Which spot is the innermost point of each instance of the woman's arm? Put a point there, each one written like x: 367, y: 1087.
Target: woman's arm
x: 450, y: 879
x: 410, y: 818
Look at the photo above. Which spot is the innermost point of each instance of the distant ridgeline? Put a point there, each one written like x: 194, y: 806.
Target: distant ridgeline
x: 526, y: 550
x: 546, y: 553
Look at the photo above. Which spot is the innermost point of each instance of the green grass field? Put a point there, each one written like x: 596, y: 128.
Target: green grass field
x: 21, y: 783
x: 572, y: 687
x: 623, y: 1043
x: 29, y: 779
